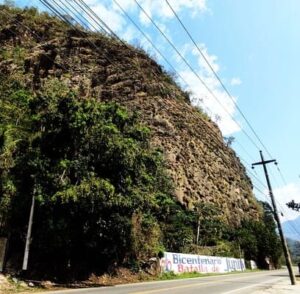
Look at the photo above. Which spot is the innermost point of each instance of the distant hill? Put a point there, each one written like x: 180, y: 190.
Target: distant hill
x: 294, y: 247
x: 290, y: 229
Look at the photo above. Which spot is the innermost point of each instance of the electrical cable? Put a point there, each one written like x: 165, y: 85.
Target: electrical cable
x: 58, y: 13
x: 222, y: 84
x: 87, y: 7
x: 83, y: 2
x: 217, y: 77
x: 84, y: 6
x: 150, y: 41
x: 195, y: 73
x: 64, y: 19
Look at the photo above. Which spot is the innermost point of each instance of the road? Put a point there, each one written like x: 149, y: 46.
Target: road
x: 227, y: 284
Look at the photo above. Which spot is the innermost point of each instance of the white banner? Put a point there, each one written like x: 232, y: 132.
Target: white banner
x: 180, y: 263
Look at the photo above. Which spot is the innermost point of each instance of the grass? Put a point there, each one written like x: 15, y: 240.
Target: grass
x: 9, y: 286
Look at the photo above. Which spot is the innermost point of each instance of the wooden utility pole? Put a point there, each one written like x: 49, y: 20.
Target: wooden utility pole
x: 283, y: 241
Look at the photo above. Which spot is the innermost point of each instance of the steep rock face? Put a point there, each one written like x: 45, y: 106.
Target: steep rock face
x: 202, y: 167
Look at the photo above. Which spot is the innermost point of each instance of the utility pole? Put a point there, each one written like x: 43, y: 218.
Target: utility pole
x: 283, y: 241
x: 28, y: 235
x: 198, y: 231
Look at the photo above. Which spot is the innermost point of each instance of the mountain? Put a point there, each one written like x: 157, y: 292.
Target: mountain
x: 202, y: 167
x: 119, y: 162
x: 291, y: 229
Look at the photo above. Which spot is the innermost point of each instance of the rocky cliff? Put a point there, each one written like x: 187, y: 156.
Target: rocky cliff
x: 37, y: 48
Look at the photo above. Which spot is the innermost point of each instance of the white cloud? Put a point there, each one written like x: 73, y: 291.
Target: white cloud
x: 111, y: 17
x: 160, y: 9
x: 221, y: 109
x: 147, y: 45
x: 146, y: 5
x: 127, y: 5
x: 216, y: 101
x: 284, y: 195
x: 212, y: 59
x: 130, y: 34
x: 235, y: 82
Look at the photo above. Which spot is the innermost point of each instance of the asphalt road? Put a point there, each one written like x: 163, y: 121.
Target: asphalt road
x: 226, y: 284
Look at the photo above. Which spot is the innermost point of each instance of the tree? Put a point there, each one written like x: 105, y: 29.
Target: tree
x: 92, y: 169
x: 229, y: 140
x: 259, y: 240
x: 209, y: 223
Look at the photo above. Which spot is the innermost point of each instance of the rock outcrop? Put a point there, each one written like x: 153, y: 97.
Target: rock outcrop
x: 202, y: 167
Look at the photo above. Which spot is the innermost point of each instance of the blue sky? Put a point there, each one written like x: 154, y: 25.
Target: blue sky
x: 254, y: 47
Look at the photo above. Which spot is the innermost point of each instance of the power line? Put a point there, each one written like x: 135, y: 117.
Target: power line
x: 94, y: 28
x: 281, y: 175
x: 277, y: 202
x: 263, y: 193
x: 74, y: 13
x: 264, y: 185
x: 194, y: 72
x: 127, y: 16
x: 217, y: 77
x: 39, y: 38
x: 160, y: 53
x: 83, y: 20
x: 267, y: 198
x: 283, y: 208
x: 222, y: 84
x: 264, y: 163
x: 214, y: 72
x: 290, y: 223
x: 120, y: 7
x: 63, y: 18
x: 150, y: 41
x: 107, y: 27
x: 60, y: 15
x: 244, y: 149
x: 55, y: 11
x: 87, y: 21
x: 86, y: 7
x: 90, y: 13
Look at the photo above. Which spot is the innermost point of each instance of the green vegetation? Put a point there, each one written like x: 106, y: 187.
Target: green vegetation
x: 103, y: 196
x: 202, y: 113
x: 189, y: 275
x: 17, y: 54
x: 100, y: 189
x: 259, y: 240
